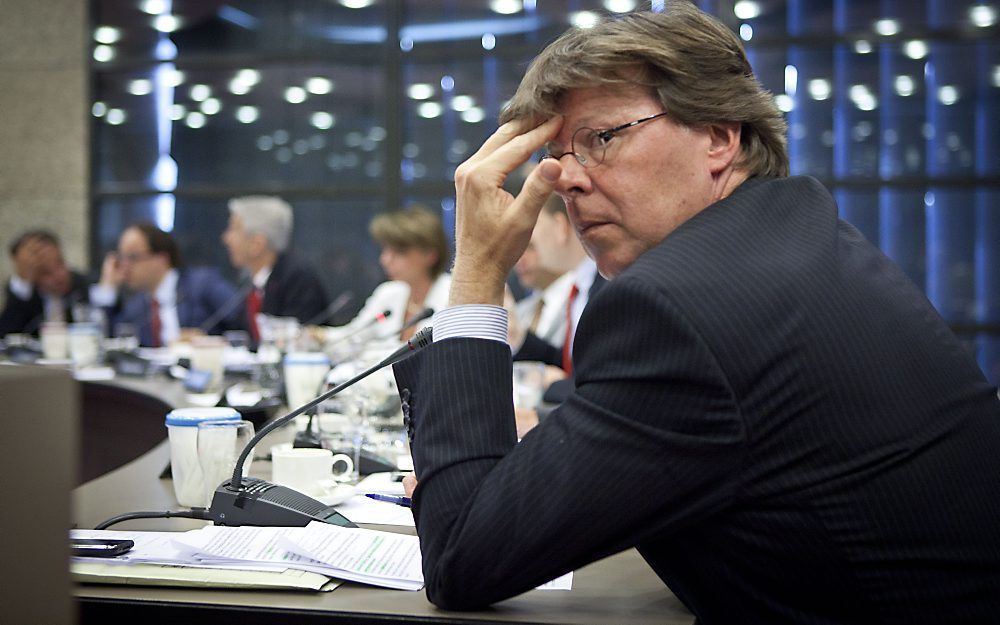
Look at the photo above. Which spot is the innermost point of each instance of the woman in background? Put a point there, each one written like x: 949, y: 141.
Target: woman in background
x: 414, y: 256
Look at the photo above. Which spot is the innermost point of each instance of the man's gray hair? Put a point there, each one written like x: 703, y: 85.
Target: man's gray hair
x: 267, y: 215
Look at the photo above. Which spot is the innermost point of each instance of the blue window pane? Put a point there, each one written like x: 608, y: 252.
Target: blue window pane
x: 951, y: 236
x: 860, y: 208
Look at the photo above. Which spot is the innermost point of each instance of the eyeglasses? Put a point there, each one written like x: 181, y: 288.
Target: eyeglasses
x: 588, y: 145
x: 131, y: 259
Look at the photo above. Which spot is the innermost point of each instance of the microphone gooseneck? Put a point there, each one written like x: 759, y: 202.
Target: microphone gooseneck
x: 420, y: 340
x: 379, y: 318
x: 335, y: 307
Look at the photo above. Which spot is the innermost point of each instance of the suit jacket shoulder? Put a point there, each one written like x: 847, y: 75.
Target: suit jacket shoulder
x: 294, y: 289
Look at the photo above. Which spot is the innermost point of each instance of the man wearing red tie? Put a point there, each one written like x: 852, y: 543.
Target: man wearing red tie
x: 257, y: 237
x: 163, y: 297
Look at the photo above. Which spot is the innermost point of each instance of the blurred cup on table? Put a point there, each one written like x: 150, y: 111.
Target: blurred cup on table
x: 219, y: 445
x: 529, y: 384
x: 206, y: 355
x: 54, y: 336
x: 85, y: 343
x: 182, y: 432
x: 305, y: 374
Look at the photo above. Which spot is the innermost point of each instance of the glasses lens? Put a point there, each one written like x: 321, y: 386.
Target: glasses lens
x: 588, y: 147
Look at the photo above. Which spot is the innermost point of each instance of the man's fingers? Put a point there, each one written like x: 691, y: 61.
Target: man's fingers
x: 537, y: 189
x: 511, y: 154
x: 409, y: 484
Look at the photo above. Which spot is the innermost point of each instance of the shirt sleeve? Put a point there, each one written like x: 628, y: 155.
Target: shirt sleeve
x: 478, y: 321
x: 101, y: 295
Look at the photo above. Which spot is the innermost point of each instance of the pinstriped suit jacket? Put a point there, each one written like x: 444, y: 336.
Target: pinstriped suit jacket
x: 766, y: 407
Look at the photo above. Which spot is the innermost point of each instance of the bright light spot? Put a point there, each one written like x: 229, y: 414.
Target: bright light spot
x: 199, y: 93
x: 107, y: 34
x: 405, y: 44
x: 584, y: 19
x: 322, y: 120
x: 746, y: 10
x: 319, y: 86
x: 473, y: 115
x: 915, y: 49
x: 195, y: 119
x: 929, y: 198
x: 904, y: 85
x: 489, y: 41
x: 785, y: 102
x: 820, y: 89
x: 173, y: 77
x: 103, y: 54
x: 247, y: 114
x: 377, y: 133
x: 140, y: 86
x: 983, y: 15
x: 115, y: 117
x: 948, y: 94
x: 506, y: 7
x: 166, y: 23
x: 237, y: 87
x: 429, y: 110
x: 211, y: 106
x: 357, y: 4
x: 996, y: 75
x: 420, y: 91
x: 462, y: 103
x: 177, y: 112
x: 295, y: 95
x: 99, y: 109
x: 863, y: 97
x: 862, y: 46
x: 791, y: 80
x: 746, y: 32
x: 886, y: 27
x: 153, y: 7
x: 619, y: 6
x: 447, y: 83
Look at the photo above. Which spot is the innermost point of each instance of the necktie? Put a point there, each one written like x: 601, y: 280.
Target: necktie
x: 155, y: 325
x: 567, y: 353
x: 254, y: 300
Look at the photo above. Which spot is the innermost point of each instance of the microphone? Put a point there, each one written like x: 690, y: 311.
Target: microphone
x: 420, y: 316
x: 379, y: 318
x: 335, y: 307
x: 253, y: 501
x: 222, y: 311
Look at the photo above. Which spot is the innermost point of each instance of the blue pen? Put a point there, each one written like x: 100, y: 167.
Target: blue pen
x: 399, y: 501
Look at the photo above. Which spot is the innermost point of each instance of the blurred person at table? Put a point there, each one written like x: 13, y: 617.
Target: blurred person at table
x: 766, y: 407
x: 42, y: 288
x: 415, y: 257
x: 281, y: 284
x: 145, y: 285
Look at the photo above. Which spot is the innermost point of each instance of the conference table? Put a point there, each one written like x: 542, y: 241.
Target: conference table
x: 618, y: 589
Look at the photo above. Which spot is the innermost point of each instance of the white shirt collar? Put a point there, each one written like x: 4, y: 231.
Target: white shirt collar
x: 166, y: 292
x: 260, y: 278
x: 583, y: 276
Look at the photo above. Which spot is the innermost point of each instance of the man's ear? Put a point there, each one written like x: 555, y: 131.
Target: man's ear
x: 724, y: 146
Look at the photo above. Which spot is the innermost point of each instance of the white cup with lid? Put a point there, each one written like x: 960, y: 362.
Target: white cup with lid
x: 182, y: 430
x: 305, y: 373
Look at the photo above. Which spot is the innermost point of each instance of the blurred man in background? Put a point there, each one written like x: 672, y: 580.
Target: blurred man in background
x: 42, y: 288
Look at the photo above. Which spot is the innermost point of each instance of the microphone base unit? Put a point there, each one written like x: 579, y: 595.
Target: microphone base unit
x: 264, y: 504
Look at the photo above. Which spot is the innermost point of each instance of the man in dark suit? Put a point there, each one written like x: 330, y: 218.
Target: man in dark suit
x: 257, y: 237
x: 766, y: 408
x: 163, y: 297
x: 42, y: 288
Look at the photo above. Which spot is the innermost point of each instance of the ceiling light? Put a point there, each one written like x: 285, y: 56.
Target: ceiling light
x: 887, y: 27
x: 506, y: 7
x: 915, y: 49
x: 177, y: 112
x: 153, y: 7
x: 166, y: 23
x: 319, y: 86
x: 948, y: 94
x: 746, y: 32
x: 489, y: 41
x: 295, y: 95
x: 904, y: 85
x: 746, y: 10
x: 420, y: 91
x: 247, y: 114
x: 103, y: 54
x: 195, y: 119
x: 619, y: 6
x: 211, y: 106
x: 99, y: 109
x: 322, y: 120
x: 473, y: 115
x: 429, y: 110
x: 982, y: 15
x: 173, y: 77
x: 140, y: 86
x: 584, y: 19
x: 107, y: 34
x: 200, y: 93
x: 357, y: 4
x: 115, y: 117
x: 785, y: 102
x: 820, y: 89
x: 862, y: 46
x: 462, y: 103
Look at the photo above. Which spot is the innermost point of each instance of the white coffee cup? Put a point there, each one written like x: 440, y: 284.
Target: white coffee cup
x: 55, y: 340
x: 307, y: 470
x: 206, y: 355
x: 85, y: 343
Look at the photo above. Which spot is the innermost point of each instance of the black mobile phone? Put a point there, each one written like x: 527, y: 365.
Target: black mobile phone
x: 100, y: 547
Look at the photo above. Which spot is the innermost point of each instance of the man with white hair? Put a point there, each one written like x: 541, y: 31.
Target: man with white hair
x: 257, y: 237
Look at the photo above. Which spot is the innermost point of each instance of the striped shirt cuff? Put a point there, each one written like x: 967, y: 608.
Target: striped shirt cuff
x: 476, y: 321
